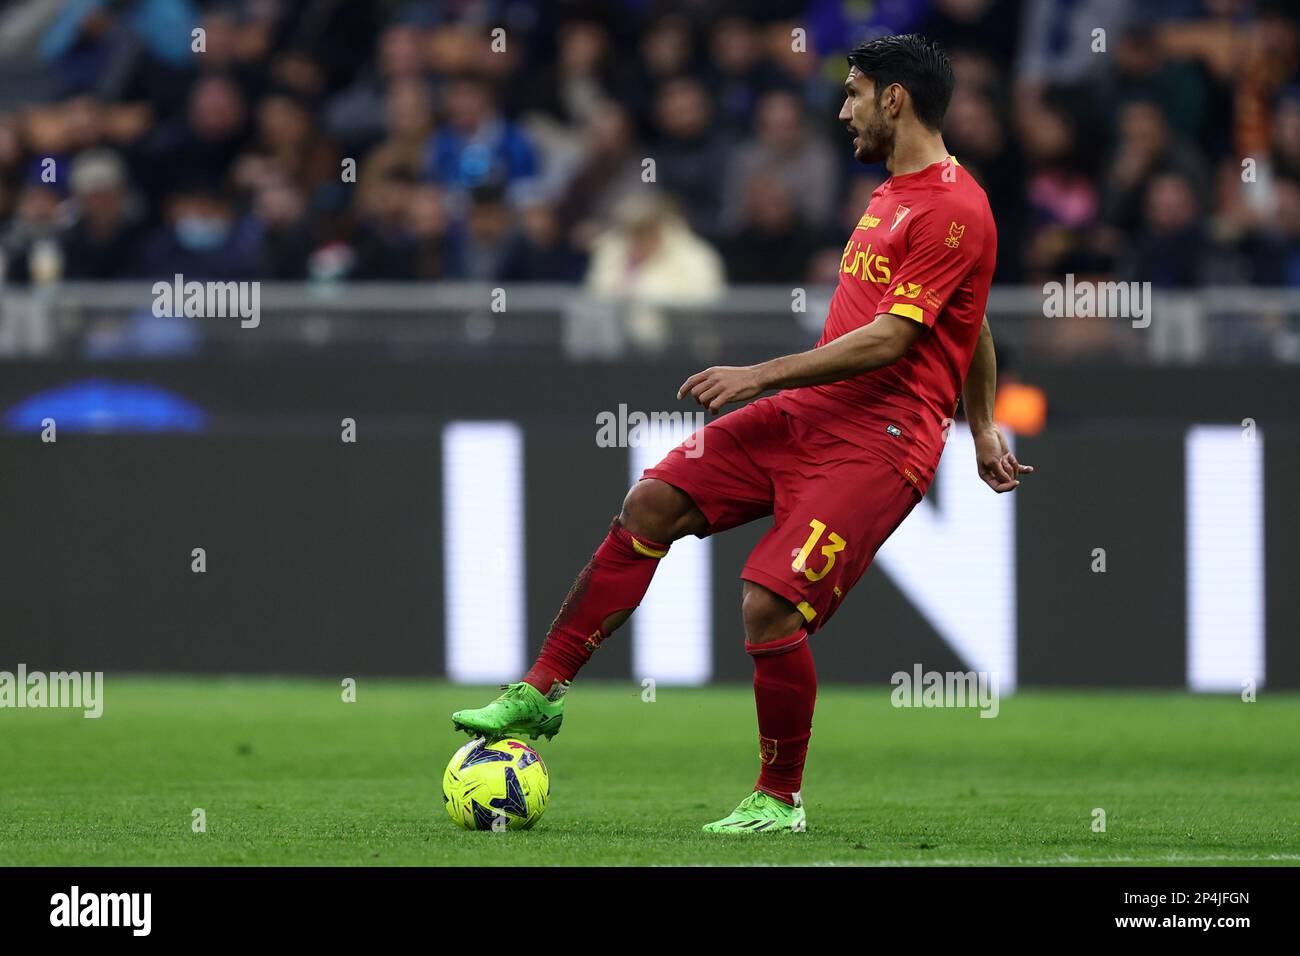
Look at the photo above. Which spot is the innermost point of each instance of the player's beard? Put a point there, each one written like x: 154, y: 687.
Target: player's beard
x: 874, y: 140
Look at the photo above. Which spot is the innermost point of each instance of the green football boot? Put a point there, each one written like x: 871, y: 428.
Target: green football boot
x: 759, y: 813
x: 522, y: 711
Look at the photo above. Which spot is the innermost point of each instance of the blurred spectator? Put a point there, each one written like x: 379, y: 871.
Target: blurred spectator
x: 1276, y: 251
x: 108, y: 224
x: 688, y: 152
x: 287, y: 135
x: 203, y: 144
x: 93, y: 44
x: 772, y: 243
x: 546, y: 252
x: 650, y: 259
x: 1146, y: 148
x: 356, y: 116
x: 739, y: 73
x: 571, y: 91
x: 478, y: 146
x: 385, y: 247
x: 30, y: 244
x: 428, y: 223
x: 491, y: 246
x: 1178, y: 89
x: 788, y: 151
x: 203, y: 238
x: 279, y: 210
x: 651, y: 256
x: 1059, y: 40
x: 610, y: 169
x: 409, y: 124
x: 1170, y: 249
x: 566, y: 98
x: 1062, y: 200
x: 1286, y: 134
x: 987, y: 26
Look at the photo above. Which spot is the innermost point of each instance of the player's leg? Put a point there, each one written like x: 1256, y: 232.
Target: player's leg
x: 785, y: 690
x: 711, y: 482
x: 836, y: 505
x: 611, y: 586
x: 602, y: 597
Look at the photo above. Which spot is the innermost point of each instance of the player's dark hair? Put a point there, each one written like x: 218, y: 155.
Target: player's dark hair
x: 916, y: 64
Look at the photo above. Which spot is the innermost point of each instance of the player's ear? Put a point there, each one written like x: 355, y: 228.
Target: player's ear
x: 894, y: 99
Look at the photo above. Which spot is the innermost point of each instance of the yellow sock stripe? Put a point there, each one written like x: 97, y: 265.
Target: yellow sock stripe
x: 647, y: 552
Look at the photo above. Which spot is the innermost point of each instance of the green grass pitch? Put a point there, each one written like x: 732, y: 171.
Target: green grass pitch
x: 287, y: 773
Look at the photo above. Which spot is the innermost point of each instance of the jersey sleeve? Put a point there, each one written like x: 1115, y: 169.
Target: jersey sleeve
x: 943, y: 247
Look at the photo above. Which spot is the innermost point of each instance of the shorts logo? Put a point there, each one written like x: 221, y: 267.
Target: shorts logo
x: 766, y: 750
x: 911, y: 476
x: 894, y: 430
x: 955, y: 232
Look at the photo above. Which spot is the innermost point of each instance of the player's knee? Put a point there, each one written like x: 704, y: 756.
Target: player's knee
x: 768, y: 616
x: 660, y: 512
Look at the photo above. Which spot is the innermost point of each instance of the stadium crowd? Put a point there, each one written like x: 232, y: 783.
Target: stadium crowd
x: 1166, y: 148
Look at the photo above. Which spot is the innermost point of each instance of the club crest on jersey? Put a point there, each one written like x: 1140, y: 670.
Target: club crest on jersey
x: 955, y: 232
x: 899, y: 213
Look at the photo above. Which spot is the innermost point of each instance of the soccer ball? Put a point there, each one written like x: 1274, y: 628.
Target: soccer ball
x: 497, y: 786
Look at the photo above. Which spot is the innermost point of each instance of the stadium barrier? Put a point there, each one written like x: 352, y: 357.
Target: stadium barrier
x: 441, y: 537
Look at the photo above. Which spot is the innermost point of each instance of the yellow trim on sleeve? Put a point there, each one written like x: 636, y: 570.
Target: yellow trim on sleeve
x: 647, y: 552
x: 806, y: 609
x: 912, y: 312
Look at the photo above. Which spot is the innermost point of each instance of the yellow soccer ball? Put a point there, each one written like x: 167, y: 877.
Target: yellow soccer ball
x: 496, y: 786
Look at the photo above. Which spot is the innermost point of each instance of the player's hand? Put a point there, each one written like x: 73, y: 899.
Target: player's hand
x: 721, y: 385
x: 997, y: 466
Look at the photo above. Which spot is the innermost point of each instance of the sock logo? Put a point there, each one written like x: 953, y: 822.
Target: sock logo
x: 766, y: 750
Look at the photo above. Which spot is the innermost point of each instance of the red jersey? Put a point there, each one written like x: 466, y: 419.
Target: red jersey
x: 924, y: 250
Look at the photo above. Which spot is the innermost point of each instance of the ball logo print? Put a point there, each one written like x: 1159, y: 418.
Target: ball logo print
x: 502, y: 785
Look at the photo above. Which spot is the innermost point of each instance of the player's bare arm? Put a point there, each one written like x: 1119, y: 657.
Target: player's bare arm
x: 997, y: 466
x: 875, y: 345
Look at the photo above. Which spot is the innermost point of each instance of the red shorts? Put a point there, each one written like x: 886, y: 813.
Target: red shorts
x: 834, y: 502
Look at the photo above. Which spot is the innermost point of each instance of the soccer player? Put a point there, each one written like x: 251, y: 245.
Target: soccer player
x: 839, y: 455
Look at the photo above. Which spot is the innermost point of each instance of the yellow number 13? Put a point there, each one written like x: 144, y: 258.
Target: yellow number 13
x: 828, y: 551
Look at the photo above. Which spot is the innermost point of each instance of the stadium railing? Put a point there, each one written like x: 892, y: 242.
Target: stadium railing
x: 465, y: 321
